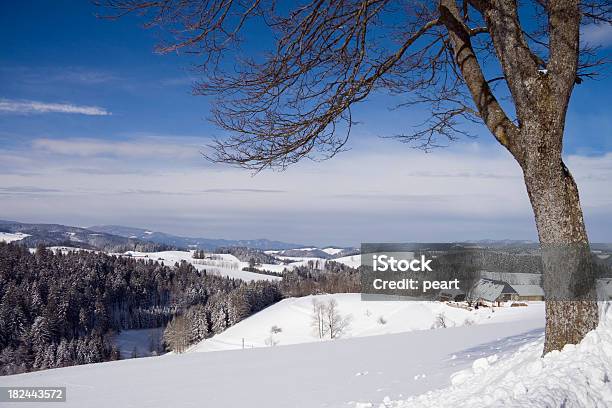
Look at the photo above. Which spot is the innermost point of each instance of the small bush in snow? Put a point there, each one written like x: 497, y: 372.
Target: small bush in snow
x: 381, y: 320
x: 440, y: 321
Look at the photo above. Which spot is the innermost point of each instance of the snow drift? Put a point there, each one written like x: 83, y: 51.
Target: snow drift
x: 578, y: 376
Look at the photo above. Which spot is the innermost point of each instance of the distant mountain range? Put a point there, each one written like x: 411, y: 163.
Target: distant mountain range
x: 63, y: 235
x: 116, y: 238
x: 188, y: 242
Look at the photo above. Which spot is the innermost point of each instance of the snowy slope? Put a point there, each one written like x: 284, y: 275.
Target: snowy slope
x: 332, y: 251
x: 294, y: 317
x: 230, y: 266
x: 12, y: 236
x: 354, y: 261
x: 336, y: 373
x: 223, y: 264
x: 578, y: 376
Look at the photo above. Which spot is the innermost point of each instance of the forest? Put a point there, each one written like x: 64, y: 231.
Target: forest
x: 63, y: 308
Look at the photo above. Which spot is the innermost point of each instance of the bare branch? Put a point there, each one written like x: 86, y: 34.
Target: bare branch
x: 295, y: 100
x: 489, y: 109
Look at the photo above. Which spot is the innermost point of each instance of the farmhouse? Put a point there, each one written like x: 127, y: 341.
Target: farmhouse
x: 491, y: 291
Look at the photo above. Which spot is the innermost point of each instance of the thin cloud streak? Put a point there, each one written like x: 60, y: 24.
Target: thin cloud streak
x: 242, y: 190
x: 35, y: 107
x: 27, y: 190
x: 143, y: 147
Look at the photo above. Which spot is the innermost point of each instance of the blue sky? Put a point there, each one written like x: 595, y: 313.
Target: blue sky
x: 97, y: 128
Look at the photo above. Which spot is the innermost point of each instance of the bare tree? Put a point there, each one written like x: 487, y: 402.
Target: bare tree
x: 459, y: 57
x: 336, y: 324
x: 318, y: 325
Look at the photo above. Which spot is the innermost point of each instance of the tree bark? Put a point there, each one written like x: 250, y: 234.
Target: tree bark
x: 541, y: 98
x: 571, y: 307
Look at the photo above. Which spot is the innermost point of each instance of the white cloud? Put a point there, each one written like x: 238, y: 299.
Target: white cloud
x: 153, y: 147
x: 597, y: 34
x: 379, y: 192
x: 29, y: 107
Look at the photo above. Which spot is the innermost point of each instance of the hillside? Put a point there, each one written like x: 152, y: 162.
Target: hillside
x: 189, y: 242
x: 32, y: 235
x: 294, y: 317
x: 339, y: 373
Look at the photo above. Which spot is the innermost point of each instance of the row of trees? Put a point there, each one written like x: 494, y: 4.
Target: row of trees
x: 333, y: 277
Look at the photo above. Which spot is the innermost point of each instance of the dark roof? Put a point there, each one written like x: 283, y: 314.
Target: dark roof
x: 490, y: 289
x: 507, y: 288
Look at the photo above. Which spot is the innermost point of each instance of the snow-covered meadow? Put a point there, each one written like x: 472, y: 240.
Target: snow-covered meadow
x: 578, y: 376
x: 374, y: 365
x: 393, y: 354
x: 230, y: 266
x: 219, y: 264
x: 294, y: 318
x: 12, y: 236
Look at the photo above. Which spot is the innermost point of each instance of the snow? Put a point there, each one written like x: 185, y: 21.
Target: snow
x: 339, y: 373
x: 328, y: 250
x: 294, y: 261
x: 604, y: 289
x: 294, y: 315
x: 332, y: 251
x: 223, y: 264
x: 578, y: 376
x: 12, y: 236
x: 230, y: 266
x: 353, y: 261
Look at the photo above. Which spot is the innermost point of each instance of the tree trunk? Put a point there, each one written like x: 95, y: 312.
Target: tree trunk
x: 571, y: 307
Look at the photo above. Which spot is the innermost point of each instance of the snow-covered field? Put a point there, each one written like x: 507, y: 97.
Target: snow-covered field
x: 223, y: 264
x: 230, y: 266
x: 354, y: 261
x: 496, y: 364
x: 294, y: 316
x: 375, y: 363
x: 10, y: 236
x: 578, y: 376
x: 332, y: 251
x: 339, y: 373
